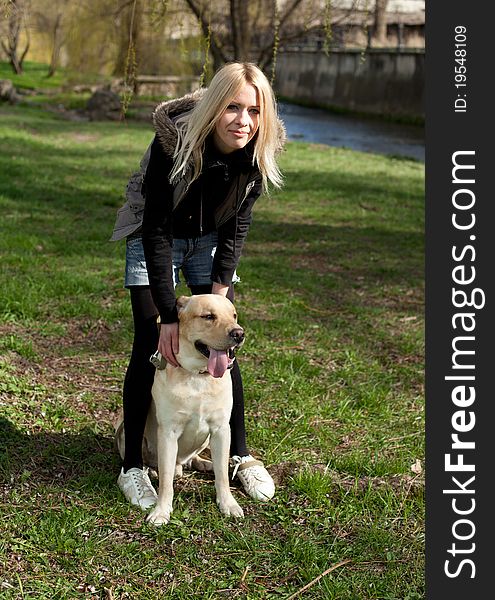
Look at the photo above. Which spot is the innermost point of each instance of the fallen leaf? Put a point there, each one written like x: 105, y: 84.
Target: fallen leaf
x: 416, y: 467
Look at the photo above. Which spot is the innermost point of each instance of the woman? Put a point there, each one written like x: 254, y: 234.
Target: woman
x: 213, y: 154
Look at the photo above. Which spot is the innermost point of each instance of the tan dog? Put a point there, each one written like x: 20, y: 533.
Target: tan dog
x: 192, y: 403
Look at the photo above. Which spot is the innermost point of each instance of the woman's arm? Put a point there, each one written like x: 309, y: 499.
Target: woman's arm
x: 157, y: 244
x: 231, y: 238
x: 157, y: 232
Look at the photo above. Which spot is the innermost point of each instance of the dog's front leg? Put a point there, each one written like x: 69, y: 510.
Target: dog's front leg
x: 167, y: 456
x: 219, y: 446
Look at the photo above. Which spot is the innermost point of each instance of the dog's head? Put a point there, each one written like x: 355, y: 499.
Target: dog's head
x: 208, y: 333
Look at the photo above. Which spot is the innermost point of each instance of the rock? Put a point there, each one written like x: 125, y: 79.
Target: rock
x: 104, y: 105
x: 8, y: 93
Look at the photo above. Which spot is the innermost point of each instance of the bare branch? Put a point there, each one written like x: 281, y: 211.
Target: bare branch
x: 26, y: 49
x: 256, y: 17
x: 288, y: 12
x: 121, y: 7
x: 266, y: 52
x: 216, y: 48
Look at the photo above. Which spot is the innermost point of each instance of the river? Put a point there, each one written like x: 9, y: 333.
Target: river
x: 344, y: 131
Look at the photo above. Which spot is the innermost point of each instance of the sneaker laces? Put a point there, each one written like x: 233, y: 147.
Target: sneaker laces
x: 252, y: 467
x: 143, y: 483
x: 237, y: 460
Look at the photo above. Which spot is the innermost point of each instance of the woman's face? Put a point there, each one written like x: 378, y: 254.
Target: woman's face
x: 239, y: 122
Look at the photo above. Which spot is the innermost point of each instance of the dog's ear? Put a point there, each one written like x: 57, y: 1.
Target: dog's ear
x: 182, y: 303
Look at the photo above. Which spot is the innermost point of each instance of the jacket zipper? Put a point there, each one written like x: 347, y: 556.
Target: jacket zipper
x: 238, y: 206
x: 226, y: 218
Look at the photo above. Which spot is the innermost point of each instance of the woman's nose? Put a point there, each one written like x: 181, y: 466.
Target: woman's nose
x: 243, y: 118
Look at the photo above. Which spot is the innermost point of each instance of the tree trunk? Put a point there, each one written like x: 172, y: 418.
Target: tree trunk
x: 266, y: 54
x: 216, y: 48
x: 234, y: 27
x: 241, y: 30
x: 16, y: 65
x: 381, y: 22
x: 244, y: 28
x: 56, y: 47
x: 14, y: 32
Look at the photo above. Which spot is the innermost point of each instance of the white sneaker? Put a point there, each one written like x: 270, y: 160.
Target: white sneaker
x: 255, y: 479
x: 137, y: 488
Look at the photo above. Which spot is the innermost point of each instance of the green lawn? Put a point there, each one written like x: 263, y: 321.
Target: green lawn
x: 332, y: 302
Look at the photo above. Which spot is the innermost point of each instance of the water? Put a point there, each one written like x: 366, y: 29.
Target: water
x: 322, y: 127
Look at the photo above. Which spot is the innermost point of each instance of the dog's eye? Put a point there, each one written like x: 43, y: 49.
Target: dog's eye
x: 208, y: 317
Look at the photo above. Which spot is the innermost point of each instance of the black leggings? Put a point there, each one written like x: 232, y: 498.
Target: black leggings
x: 140, y: 373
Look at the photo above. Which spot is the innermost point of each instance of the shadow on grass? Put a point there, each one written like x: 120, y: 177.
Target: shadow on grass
x: 81, y: 460
x: 84, y: 462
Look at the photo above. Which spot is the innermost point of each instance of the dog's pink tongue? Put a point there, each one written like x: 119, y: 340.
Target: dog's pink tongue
x: 217, y: 363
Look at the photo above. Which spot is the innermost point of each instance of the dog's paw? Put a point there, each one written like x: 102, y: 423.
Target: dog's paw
x: 159, y: 517
x: 230, y: 508
x: 201, y: 464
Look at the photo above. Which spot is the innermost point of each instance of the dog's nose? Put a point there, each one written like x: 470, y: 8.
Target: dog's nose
x: 237, y: 335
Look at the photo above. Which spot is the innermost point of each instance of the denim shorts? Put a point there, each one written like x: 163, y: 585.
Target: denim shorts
x: 194, y: 257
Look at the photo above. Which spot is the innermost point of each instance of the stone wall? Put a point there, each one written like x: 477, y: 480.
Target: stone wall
x: 166, y: 86
x: 378, y: 82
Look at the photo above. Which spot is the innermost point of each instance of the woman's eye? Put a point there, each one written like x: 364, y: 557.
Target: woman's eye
x: 255, y: 111
x: 231, y: 107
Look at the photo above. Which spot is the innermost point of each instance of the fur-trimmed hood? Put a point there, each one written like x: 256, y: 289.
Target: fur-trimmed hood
x: 166, y: 113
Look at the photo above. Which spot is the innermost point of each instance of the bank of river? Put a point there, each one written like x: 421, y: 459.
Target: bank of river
x: 368, y: 135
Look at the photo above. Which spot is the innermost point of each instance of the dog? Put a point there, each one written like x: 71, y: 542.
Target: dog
x: 192, y: 403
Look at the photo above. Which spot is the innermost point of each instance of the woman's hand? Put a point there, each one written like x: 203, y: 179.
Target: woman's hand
x: 218, y: 288
x: 168, y: 344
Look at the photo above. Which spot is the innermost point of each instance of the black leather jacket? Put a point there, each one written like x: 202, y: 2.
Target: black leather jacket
x: 221, y: 200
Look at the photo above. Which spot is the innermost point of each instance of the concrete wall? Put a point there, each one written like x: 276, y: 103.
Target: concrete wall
x: 377, y: 82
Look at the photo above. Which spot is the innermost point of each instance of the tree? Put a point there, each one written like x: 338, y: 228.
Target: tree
x: 253, y: 31
x: 16, y: 14
x: 54, y: 20
x: 240, y: 30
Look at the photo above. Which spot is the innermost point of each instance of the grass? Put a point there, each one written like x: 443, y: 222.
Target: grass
x: 332, y: 302
x: 35, y: 77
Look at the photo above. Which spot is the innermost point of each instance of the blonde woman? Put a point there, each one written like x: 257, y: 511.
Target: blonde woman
x: 213, y: 154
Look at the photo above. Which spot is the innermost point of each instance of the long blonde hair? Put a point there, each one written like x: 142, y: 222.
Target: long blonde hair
x: 194, y: 127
